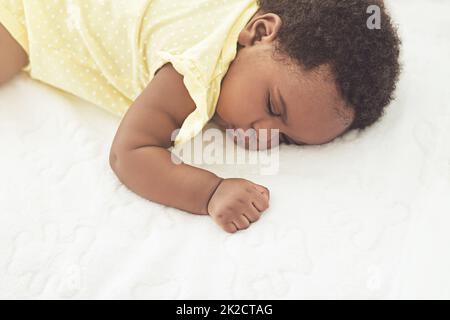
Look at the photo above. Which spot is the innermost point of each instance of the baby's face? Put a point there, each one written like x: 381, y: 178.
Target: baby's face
x: 259, y: 92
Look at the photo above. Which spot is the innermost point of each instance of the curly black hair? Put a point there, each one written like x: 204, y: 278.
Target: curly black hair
x: 364, y: 61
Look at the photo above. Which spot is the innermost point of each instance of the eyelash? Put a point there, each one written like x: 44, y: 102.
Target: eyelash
x: 270, y: 111
x: 270, y: 107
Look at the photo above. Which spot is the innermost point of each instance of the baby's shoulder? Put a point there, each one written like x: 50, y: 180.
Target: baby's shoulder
x: 167, y: 92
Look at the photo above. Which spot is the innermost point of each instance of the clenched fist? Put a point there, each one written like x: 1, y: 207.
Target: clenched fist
x: 237, y: 203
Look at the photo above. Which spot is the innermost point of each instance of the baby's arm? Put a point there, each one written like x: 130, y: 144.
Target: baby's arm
x: 140, y: 159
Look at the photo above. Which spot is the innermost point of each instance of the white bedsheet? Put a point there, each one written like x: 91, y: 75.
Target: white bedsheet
x: 364, y: 217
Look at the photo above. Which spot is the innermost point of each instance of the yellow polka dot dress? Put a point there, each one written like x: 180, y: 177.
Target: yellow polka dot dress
x: 107, y: 51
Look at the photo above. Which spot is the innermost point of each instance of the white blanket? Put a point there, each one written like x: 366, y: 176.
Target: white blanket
x: 364, y: 217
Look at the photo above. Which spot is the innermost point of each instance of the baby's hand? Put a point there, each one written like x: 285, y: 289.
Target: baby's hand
x: 237, y: 203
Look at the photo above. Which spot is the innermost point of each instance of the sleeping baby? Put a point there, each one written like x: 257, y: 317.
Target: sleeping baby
x: 308, y: 70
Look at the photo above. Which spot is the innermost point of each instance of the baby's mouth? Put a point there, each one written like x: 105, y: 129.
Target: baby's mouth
x: 245, y: 139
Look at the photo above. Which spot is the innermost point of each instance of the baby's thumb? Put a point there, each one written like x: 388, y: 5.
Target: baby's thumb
x: 263, y: 190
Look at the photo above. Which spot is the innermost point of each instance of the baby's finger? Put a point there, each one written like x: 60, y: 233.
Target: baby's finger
x: 253, y: 214
x: 260, y: 201
x: 242, y: 222
x: 230, y: 228
x: 262, y: 190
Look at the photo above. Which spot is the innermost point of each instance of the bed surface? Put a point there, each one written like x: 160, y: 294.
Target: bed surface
x: 364, y: 217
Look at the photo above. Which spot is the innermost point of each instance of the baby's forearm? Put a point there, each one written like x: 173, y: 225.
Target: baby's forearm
x: 151, y: 173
